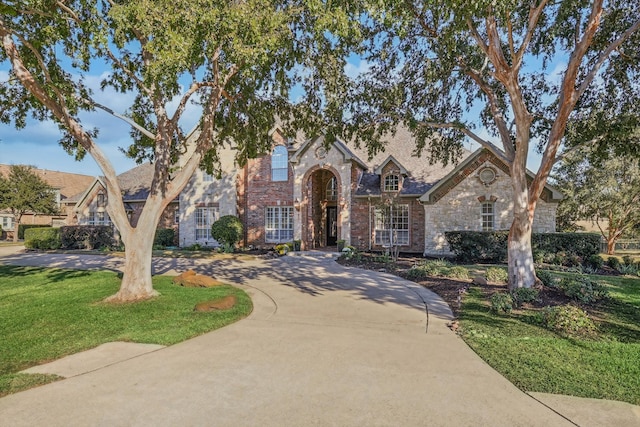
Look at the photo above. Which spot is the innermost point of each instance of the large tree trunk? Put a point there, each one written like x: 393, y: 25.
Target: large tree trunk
x: 136, y: 282
x: 520, y: 255
x: 521, y: 268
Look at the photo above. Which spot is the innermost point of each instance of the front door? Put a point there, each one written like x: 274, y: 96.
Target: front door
x: 332, y: 225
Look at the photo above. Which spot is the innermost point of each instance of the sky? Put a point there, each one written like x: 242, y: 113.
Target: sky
x: 37, y: 144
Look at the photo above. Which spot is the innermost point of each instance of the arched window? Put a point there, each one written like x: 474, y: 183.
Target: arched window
x: 279, y: 162
x: 332, y: 189
x: 391, y: 183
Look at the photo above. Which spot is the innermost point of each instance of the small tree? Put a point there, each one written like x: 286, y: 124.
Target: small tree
x: 227, y: 231
x: 23, y: 191
x: 603, y: 190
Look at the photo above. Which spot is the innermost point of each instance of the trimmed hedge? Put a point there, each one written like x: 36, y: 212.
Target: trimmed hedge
x: 86, y: 236
x: 23, y: 227
x: 164, y: 237
x: 491, y: 246
x: 227, y: 230
x: 42, y: 238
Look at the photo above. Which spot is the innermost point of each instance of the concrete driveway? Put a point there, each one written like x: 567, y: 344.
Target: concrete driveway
x: 325, y: 346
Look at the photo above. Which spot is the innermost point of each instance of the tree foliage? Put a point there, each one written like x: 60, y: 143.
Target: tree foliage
x: 231, y: 64
x: 603, y: 190
x: 525, y: 71
x: 23, y: 191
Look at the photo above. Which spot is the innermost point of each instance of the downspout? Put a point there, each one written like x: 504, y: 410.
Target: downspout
x: 369, y: 236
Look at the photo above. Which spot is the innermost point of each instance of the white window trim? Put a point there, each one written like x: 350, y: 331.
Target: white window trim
x: 280, y: 164
x: 488, y: 219
x: 382, y: 234
x: 276, y: 233
x: 210, y: 215
x: 396, y: 181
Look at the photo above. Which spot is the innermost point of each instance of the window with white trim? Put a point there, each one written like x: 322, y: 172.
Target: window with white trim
x: 392, y: 225
x: 176, y: 215
x: 205, y: 217
x: 391, y: 182
x: 488, y: 216
x: 278, y: 224
x: 279, y: 164
x: 332, y: 189
x: 7, y: 223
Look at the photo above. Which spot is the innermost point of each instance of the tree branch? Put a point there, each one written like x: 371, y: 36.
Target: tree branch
x: 130, y: 122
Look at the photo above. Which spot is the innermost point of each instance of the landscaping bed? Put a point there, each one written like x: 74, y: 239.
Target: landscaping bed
x: 535, y: 353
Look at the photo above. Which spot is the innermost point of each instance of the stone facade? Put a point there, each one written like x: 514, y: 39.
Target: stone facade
x: 206, y: 199
x: 459, y: 207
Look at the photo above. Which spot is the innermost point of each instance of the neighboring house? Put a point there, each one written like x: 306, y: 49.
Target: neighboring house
x: 65, y: 185
x: 90, y: 206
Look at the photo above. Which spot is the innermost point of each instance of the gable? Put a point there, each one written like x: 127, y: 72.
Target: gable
x: 471, y: 166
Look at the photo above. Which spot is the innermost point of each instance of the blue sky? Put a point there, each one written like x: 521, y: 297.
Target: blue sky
x: 37, y: 144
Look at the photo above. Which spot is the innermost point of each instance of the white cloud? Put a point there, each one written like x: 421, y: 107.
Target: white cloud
x: 357, y: 69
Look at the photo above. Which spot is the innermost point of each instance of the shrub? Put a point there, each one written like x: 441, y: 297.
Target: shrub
x: 42, y: 238
x: 164, y: 237
x: 568, y: 320
x: 227, y: 230
x: 613, y: 262
x: 583, y: 289
x: 439, y: 267
x: 628, y: 260
x: 546, y: 278
x: 86, y: 236
x: 457, y: 272
x: 194, y: 247
x: 23, y: 227
x: 501, y: 302
x: 595, y: 261
x: 497, y: 275
x: 561, y: 248
x: 629, y: 269
x: 524, y: 295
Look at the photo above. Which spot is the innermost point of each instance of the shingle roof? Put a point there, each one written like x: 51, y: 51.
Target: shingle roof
x: 422, y: 175
x: 69, y: 184
x: 136, y: 183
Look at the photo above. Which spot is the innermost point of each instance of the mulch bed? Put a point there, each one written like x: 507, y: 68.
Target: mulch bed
x: 449, y: 289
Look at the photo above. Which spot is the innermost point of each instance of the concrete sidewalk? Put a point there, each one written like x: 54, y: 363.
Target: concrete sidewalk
x: 325, y: 345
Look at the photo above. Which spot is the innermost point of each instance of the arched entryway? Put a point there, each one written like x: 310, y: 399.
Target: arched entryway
x: 321, y: 193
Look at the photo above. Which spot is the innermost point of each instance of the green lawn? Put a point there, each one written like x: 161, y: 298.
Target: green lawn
x: 538, y: 360
x: 50, y: 313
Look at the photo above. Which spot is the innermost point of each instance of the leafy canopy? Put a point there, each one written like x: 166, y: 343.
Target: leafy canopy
x: 22, y: 191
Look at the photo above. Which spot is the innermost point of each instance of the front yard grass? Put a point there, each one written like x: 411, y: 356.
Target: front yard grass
x: 50, y: 313
x: 538, y: 360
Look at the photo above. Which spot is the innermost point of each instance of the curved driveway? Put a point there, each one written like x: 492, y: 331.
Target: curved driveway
x: 325, y: 346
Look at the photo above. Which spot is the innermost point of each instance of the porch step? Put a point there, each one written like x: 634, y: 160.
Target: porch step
x: 315, y: 254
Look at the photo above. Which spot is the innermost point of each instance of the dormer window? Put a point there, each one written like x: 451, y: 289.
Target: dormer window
x: 391, y: 183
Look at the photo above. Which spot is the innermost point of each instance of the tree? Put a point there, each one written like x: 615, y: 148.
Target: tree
x: 23, y: 191
x: 235, y: 61
x: 526, y: 69
x: 605, y: 191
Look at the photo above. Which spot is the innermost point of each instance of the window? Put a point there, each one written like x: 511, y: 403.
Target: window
x: 279, y: 162
x: 278, y: 224
x: 207, y: 178
x: 487, y: 216
x: 391, y: 183
x: 392, y: 223
x: 97, y: 218
x: 101, y: 200
x: 7, y: 223
x: 205, y: 217
x: 176, y: 215
x: 332, y: 189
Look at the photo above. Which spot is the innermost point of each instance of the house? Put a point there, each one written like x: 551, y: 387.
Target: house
x: 321, y: 193
x: 89, y: 207
x: 66, y: 186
